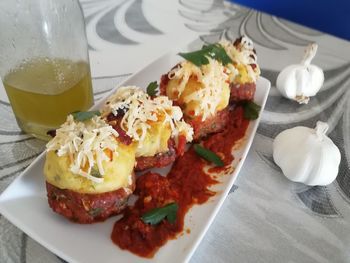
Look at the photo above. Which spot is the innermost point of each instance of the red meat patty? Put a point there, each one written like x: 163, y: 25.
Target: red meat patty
x: 87, y: 208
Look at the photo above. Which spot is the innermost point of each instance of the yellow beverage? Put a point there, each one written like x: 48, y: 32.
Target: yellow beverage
x: 43, y: 91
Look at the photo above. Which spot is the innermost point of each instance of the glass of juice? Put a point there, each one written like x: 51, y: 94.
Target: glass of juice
x: 44, y: 62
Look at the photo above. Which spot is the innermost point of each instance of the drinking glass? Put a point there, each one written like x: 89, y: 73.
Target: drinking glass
x: 44, y: 62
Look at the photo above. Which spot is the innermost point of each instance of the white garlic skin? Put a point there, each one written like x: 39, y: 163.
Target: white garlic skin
x: 307, y: 155
x: 296, y: 81
x: 301, y: 81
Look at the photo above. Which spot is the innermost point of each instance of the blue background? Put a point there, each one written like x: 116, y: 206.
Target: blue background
x: 332, y: 17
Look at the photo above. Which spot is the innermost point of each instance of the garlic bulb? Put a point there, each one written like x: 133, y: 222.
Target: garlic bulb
x: 301, y: 81
x: 307, y: 155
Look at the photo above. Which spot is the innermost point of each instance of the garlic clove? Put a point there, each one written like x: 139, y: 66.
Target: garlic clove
x: 307, y: 155
x: 301, y: 81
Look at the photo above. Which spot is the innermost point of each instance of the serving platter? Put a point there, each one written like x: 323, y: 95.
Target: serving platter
x: 24, y: 202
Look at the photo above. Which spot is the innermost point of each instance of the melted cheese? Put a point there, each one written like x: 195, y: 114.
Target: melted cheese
x: 201, y: 91
x: 155, y: 141
x: 118, y: 172
x: 243, y: 75
x: 87, y: 144
x: 149, y: 122
x: 242, y: 56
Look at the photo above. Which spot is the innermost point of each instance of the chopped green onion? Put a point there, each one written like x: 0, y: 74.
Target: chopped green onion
x: 155, y: 216
x: 208, y: 155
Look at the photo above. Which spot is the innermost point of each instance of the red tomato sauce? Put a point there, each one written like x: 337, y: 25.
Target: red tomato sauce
x: 186, y: 184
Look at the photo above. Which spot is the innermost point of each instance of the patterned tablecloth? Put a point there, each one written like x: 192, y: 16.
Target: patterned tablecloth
x: 265, y: 218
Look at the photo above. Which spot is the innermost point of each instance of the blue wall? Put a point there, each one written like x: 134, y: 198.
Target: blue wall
x: 332, y: 17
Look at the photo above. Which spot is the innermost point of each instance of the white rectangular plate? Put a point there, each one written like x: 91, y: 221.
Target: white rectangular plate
x: 24, y: 202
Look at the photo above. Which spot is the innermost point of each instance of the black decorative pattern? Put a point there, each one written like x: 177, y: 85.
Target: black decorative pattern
x: 24, y: 248
x: 268, y: 159
x: 143, y: 26
x: 300, y: 29
x: 233, y: 188
x: 318, y: 200
x: 251, y: 29
x: 112, y: 34
x: 277, y: 32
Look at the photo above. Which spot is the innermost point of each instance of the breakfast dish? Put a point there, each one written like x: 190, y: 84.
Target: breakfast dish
x: 90, y: 162
x: 89, y: 173
x: 153, y: 125
x: 191, y: 180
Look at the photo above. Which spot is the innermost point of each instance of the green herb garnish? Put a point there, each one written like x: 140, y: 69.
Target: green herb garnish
x: 152, y: 88
x: 251, y: 110
x: 85, y: 115
x: 95, y: 173
x: 208, y: 155
x: 200, y: 57
x: 156, y: 215
x: 95, y: 211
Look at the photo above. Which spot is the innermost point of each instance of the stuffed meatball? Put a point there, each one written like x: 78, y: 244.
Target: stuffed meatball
x: 244, y: 69
x: 209, y: 80
x: 89, y: 173
x: 202, y: 92
x: 153, y: 125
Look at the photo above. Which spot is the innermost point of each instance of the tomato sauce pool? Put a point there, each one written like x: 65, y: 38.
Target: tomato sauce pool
x: 186, y: 184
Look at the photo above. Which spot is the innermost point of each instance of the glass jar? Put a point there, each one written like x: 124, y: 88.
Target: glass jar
x: 44, y: 62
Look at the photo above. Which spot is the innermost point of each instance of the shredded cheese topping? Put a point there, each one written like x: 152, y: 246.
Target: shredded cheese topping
x: 242, y: 54
x: 87, y: 144
x: 140, y: 111
x: 183, y: 72
x: 213, y: 77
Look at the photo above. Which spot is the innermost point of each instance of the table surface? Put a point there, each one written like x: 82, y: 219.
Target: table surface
x: 265, y: 218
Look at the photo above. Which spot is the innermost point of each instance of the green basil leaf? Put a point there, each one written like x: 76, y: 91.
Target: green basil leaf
x: 85, y: 115
x: 251, y: 110
x: 200, y: 57
x: 155, y: 216
x: 197, y: 57
x: 208, y: 155
x: 152, y: 89
x: 217, y: 52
